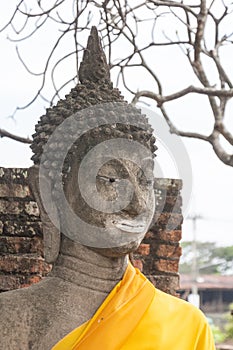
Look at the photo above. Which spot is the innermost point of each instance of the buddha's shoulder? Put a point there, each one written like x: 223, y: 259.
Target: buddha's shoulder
x: 172, y: 305
x: 42, y: 310
x: 20, y: 304
x: 51, y: 296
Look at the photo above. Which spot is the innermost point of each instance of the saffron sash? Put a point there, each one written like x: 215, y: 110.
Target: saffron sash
x: 117, y: 317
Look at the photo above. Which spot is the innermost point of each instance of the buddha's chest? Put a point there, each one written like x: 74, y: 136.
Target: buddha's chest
x: 62, y: 315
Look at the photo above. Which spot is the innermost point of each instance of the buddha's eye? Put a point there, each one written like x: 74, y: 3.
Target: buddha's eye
x: 107, y: 179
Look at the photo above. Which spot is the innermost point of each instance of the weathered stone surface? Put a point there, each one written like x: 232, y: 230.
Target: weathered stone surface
x: 13, y: 175
x: 173, y: 204
x: 168, y: 284
x: 14, y: 190
x: 168, y: 221
x: 170, y: 186
x: 18, y: 208
x: 168, y: 203
x: 31, y: 209
x: 22, y: 228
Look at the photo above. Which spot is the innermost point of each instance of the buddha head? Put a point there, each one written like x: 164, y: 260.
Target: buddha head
x: 93, y: 165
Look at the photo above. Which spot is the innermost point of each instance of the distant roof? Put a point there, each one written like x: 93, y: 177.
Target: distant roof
x: 207, y: 282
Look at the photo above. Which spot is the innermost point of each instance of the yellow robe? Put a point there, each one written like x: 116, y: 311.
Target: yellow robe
x: 137, y: 316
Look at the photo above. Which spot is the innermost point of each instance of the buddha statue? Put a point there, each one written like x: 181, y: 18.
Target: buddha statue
x: 93, y: 181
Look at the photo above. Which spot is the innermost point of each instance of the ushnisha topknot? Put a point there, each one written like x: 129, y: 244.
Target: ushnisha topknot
x: 94, y: 66
x: 104, y: 112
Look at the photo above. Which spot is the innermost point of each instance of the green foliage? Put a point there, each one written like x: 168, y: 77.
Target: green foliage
x: 225, y: 334
x: 225, y: 255
x: 229, y: 325
x: 219, y: 336
x: 210, y: 259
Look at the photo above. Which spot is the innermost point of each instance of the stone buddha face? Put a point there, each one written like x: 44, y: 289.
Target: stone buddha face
x: 112, y: 231
x: 102, y: 197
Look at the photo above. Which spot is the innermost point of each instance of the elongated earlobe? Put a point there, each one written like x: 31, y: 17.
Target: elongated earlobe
x: 51, y: 234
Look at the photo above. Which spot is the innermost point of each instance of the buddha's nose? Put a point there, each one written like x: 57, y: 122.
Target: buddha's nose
x: 138, y: 203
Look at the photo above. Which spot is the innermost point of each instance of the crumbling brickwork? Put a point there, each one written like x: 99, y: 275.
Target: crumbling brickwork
x: 21, y: 243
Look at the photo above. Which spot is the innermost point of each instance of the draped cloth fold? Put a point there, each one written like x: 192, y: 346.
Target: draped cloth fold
x: 122, y: 310
x: 137, y: 316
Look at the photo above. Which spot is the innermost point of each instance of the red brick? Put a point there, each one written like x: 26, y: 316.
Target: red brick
x: 23, y: 264
x: 15, y: 245
x: 149, y: 235
x: 9, y: 282
x: 173, y: 236
x: 138, y: 264
x: 170, y: 236
x: 167, y: 266
x: 30, y: 280
x: 158, y: 258
x: 167, y: 251
x: 143, y: 249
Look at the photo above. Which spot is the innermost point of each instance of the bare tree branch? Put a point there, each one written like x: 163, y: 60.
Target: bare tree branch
x: 4, y: 133
x: 121, y: 24
x: 190, y: 89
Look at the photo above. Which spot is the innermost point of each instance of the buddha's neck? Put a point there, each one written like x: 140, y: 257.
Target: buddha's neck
x: 82, y: 266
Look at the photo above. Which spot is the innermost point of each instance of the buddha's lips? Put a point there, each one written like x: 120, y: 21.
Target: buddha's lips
x: 130, y: 226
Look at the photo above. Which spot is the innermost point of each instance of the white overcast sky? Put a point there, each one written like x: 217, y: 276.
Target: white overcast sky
x: 211, y: 182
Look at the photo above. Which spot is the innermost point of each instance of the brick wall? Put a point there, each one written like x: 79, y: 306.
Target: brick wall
x: 159, y: 253
x: 21, y: 243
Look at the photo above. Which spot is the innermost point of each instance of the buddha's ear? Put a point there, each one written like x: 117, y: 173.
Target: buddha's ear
x: 51, y: 233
